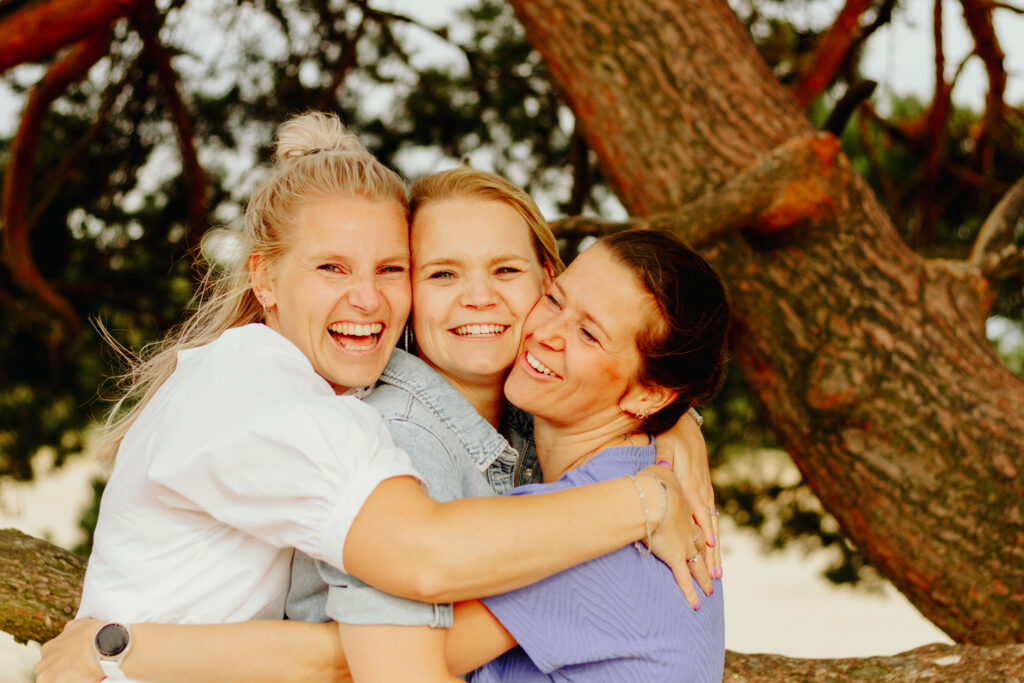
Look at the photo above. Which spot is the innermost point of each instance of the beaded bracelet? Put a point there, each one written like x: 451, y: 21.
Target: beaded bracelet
x: 664, y: 499
x: 643, y: 550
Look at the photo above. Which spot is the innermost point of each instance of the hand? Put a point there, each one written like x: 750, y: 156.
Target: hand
x: 70, y: 657
x: 674, y: 541
x: 683, y: 448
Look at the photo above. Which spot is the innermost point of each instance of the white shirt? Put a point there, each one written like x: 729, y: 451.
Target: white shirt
x: 242, y: 455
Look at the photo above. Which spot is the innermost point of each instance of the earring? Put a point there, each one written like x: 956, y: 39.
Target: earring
x: 262, y: 298
x: 407, y: 339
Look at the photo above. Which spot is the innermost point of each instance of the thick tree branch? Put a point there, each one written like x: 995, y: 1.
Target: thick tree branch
x: 147, y: 22
x: 834, y: 45
x: 790, y: 188
x: 43, y: 28
x: 17, y: 249
x: 994, y: 244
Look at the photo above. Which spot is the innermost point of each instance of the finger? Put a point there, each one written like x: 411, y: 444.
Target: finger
x: 699, y: 571
x: 717, y: 551
x: 685, y: 582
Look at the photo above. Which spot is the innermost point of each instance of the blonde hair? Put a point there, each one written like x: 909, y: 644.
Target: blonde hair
x: 463, y: 182
x: 315, y: 157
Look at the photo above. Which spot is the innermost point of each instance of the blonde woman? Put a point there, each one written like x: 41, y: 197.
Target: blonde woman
x: 238, y: 447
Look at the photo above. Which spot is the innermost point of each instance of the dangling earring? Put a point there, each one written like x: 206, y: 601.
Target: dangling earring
x: 407, y: 339
x: 262, y: 298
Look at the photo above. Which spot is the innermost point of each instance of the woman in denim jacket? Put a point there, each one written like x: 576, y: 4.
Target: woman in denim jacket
x: 482, y: 253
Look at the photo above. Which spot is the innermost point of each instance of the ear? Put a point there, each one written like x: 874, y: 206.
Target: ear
x: 262, y: 280
x: 646, y: 400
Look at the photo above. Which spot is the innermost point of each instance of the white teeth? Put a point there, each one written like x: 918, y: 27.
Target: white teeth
x: 356, y: 330
x: 537, y: 365
x: 479, y: 330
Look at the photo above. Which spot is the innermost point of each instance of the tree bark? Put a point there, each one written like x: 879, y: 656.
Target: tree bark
x: 870, y: 362
x: 41, y: 589
x: 38, y: 31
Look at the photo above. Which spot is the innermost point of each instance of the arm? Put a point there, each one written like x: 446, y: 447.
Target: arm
x: 478, y: 547
x: 684, y: 449
x: 383, y: 653
x: 475, y: 638
x: 271, y: 651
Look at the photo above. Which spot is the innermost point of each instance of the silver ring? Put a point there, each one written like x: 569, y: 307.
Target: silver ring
x: 697, y: 557
x: 712, y: 511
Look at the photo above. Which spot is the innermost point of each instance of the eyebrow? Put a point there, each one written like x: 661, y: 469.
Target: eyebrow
x: 400, y: 257
x: 588, y: 317
x: 503, y: 258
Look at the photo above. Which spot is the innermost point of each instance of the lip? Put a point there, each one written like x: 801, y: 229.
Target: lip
x: 368, y: 351
x: 485, y: 337
x: 533, y: 372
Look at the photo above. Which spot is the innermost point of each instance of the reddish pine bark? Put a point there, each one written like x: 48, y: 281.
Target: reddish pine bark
x: 17, y: 251
x: 870, y: 362
x: 833, y: 47
x: 43, y: 28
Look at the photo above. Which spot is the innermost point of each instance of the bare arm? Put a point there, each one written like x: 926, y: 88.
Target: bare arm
x: 406, y: 544
x: 384, y: 653
x: 271, y: 651
x: 475, y: 638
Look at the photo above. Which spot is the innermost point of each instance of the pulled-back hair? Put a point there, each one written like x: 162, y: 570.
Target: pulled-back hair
x: 469, y: 183
x: 315, y: 157
x: 685, y: 350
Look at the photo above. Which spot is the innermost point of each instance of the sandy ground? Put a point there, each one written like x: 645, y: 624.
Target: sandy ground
x: 775, y: 602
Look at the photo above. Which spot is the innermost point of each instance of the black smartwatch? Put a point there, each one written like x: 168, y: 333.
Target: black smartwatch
x: 112, y: 643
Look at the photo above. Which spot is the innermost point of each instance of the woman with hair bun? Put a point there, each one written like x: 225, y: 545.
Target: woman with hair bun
x: 238, y: 442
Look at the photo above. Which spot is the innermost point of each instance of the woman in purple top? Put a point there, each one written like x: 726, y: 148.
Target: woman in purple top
x: 631, y: 335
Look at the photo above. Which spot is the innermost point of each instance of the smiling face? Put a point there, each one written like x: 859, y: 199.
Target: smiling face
x: 340, y: 292
x: 476, y: 276
x: 579, y: 358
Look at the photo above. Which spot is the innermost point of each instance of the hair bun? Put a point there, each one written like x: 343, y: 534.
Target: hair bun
x: 314, y: 132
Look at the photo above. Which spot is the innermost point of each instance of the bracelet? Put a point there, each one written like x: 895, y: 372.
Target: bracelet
x: 696, y: 417
x: 647, y: 519
x: 664, y: 500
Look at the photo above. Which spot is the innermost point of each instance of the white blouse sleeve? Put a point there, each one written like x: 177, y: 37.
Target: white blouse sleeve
x: 294, y: 476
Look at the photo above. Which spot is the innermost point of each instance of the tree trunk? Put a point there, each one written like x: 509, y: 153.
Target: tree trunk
x: 870, y: 362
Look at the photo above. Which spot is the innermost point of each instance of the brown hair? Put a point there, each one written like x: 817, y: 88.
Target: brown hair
x: 314, y: 157
x: 472, y: 183
x: 685, y: 350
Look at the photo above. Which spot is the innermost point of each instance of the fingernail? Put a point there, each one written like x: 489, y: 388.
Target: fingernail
x: 696, y: 605
x: 711, y: 541
x: 663, y: 463
x: 712, y: 591
x: 719, y: 572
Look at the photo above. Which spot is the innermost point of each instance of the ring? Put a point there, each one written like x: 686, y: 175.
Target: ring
x: 663, y: 463
x: 712, y: 511
x: 697, y: 557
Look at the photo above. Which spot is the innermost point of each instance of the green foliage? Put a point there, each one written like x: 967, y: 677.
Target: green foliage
x: 111, y: 202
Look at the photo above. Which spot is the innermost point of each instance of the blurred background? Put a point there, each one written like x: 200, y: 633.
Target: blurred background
x: 165, y: 136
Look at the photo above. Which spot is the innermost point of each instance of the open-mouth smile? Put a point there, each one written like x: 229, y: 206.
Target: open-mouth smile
x: 479, y: 330
x: 356, y: 336
x: 539, y: 367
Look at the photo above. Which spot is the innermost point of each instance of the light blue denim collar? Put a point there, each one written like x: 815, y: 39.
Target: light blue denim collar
x: 482, y: 441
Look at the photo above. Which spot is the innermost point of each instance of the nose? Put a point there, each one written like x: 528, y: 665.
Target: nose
x: 365, y: 294
x: 478, y: 292
x: 547, y: 329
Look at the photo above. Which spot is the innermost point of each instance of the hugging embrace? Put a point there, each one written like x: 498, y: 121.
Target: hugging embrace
x: 293, y: 499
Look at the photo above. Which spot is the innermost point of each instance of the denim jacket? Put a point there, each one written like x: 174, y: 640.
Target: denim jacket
x: 457, y: 453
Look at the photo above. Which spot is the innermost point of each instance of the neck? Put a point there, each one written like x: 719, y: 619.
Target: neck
x: 487, y: 397
x: 561, y: 448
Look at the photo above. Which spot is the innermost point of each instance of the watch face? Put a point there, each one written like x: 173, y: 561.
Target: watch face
x: 111, y: 640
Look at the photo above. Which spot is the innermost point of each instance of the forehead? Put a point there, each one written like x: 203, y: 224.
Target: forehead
x: 471, y: 227
x: 350, y: 226
x: 601, y: 287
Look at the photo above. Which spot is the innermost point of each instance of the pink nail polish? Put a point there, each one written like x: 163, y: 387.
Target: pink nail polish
x: 697, y: 606
x: 711, y: 541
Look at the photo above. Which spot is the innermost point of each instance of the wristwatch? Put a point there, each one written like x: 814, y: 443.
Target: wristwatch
x: 112, y: 643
